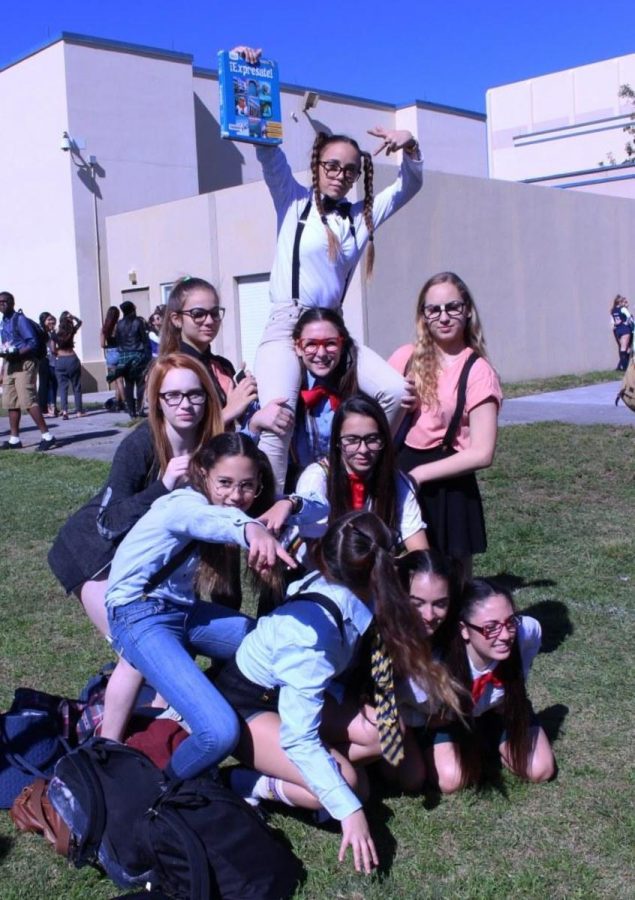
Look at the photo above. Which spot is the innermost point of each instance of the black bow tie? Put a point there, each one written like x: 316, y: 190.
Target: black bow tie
x: 340, y: 207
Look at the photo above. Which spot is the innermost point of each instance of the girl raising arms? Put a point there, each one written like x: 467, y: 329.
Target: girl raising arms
x: 321, y: 238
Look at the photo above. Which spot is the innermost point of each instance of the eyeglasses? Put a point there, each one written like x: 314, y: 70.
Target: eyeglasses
x: 333, y: 170
x: 199, y: 314
x: 174, y: 398
x: 225, y: 486
x: 493, y: 629
x: 352, y: 442
x: 454, y: 309
x: 310, y: 346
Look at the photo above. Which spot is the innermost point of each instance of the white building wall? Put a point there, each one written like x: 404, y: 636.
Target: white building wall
x: 564, y: 124
x: 37, y: 228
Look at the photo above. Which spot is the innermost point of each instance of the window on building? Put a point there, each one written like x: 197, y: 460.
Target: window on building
x: 253, y: 312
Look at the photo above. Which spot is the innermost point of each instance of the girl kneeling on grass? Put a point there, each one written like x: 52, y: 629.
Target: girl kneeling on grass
x: 491, y: 654
x: 172, y: 557
x: 284, y: 668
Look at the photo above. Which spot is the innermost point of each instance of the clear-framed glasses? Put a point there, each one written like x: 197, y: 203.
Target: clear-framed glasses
x: 454, y: 309
x: 352, y: 442
x: 492, y: 629
x: 199, y: 314
x: 250, y: 487
x: 310, y: 346
x: 196, y: 397
x: 334, y: 170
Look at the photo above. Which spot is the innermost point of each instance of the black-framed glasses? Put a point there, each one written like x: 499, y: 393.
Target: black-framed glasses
x: 174, y: 398
x: 352, y: 442
x: 333, y: 170
x: 492, y: 629
x: 199, y: 314
x: 433, y: 311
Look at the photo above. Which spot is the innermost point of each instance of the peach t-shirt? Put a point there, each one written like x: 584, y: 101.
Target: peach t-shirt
x: 430, y: 425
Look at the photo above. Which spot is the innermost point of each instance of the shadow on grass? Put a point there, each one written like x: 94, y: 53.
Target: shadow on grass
x: 552, y: 719
x: 516, y: 582
x: 6, y: 845
x: 88, y: 436
x: 556, y: 625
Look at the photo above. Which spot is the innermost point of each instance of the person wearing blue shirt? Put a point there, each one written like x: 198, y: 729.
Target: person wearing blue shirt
x: 284, y: 668
x: 18, y: 346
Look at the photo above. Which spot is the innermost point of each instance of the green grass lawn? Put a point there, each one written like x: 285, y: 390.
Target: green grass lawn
x: 559, y: 507
x: 558, y: 383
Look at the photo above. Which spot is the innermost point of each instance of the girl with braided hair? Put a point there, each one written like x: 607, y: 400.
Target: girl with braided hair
x: 321, y: 238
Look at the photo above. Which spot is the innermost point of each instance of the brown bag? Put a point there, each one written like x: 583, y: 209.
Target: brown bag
x: 32, y: 811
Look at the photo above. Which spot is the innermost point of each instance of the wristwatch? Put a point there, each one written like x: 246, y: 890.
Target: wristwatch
x: 296, y: 501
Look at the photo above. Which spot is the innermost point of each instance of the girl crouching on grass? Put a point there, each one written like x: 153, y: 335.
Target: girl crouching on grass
x: 176, y: 555
x: 491, y: 654
x: 284, y: 668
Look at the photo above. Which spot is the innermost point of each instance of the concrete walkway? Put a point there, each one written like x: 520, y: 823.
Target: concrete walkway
x: 98, y: 434
x: 591, y: 405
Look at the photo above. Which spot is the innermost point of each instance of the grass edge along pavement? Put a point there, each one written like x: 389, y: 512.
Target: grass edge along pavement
x: 559, y: 503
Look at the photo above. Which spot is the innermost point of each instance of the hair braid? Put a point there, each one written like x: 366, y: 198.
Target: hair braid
x: 367, y: 162
x: 321, y: 140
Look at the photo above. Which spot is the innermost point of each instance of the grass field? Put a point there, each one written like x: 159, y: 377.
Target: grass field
x: 559, y: 506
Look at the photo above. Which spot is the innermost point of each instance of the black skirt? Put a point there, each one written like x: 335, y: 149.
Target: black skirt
x: 247, y: 698
x: 451, y: 507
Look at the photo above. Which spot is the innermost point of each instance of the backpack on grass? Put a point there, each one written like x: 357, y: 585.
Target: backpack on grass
x: 626, y: 392
x: 192, y: 839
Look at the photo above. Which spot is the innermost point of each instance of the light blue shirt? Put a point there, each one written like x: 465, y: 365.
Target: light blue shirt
x: 300, y: 649
x: 173, y: 521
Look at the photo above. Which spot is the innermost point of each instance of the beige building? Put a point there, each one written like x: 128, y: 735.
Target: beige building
x: 565, y: 129
x: 151, y: 190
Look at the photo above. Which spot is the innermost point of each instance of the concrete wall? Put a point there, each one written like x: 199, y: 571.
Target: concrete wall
x: 564, y: 124
x: 37, y: 227
x: 543, y: 265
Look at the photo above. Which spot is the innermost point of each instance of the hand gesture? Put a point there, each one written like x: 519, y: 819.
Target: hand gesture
x: 264, y: 549
x: 276, y: 516
x: 356, y: 834
x: 410, y: 400
x: 244, y: 393
x: 275, y: 416
x: 176, y: 471
x: 250, y: 54
x: 392, y: 140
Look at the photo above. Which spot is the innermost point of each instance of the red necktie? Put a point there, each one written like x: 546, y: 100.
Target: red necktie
x: 479, y: 684
x: 312, y: 396
x: 358, y: 491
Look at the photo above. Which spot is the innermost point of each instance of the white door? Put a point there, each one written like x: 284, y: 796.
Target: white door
x: 253, y: 312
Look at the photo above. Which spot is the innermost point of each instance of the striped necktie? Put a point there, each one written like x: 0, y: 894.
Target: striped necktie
x: 390, y: 736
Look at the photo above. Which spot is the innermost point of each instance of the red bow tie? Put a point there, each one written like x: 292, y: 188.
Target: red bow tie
x: 312, y: 396
x: 358, y: 491
x: 480, y: 684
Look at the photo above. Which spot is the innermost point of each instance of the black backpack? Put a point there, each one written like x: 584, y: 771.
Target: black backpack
x: 40, y: 336
x: 192, y: 839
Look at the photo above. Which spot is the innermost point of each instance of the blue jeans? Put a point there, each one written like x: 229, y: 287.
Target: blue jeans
x: 156, y: 636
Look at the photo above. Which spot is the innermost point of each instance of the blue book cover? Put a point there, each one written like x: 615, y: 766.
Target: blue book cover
x: 249, y: 99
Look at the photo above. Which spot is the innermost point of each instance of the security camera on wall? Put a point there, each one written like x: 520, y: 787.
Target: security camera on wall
x: 66, y: 144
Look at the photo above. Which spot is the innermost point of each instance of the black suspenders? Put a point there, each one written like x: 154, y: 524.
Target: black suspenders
x: 295, y: 263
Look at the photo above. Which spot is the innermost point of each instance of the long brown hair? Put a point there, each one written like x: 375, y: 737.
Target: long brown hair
x: 218, y: 574
x: 322, y: 141
x: 381, y: 481
x: 170, y: 334
x: 344, y: 377
x: 515, y: 706
x: 212, y: 421
x: 424, y: 364
x: 356, y: 552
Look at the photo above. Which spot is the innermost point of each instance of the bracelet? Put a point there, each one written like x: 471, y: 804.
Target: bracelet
x: 413, y: 149
x: 296, y: 502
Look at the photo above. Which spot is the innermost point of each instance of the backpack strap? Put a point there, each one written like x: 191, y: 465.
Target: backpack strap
x: 84, y: 849
x: 327, y: 604
x: 168, y: 568
x: 453, y: 427
x: 179, y: 833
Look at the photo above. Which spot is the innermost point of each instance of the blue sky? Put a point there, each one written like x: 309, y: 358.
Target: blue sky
x: 446, y: 53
